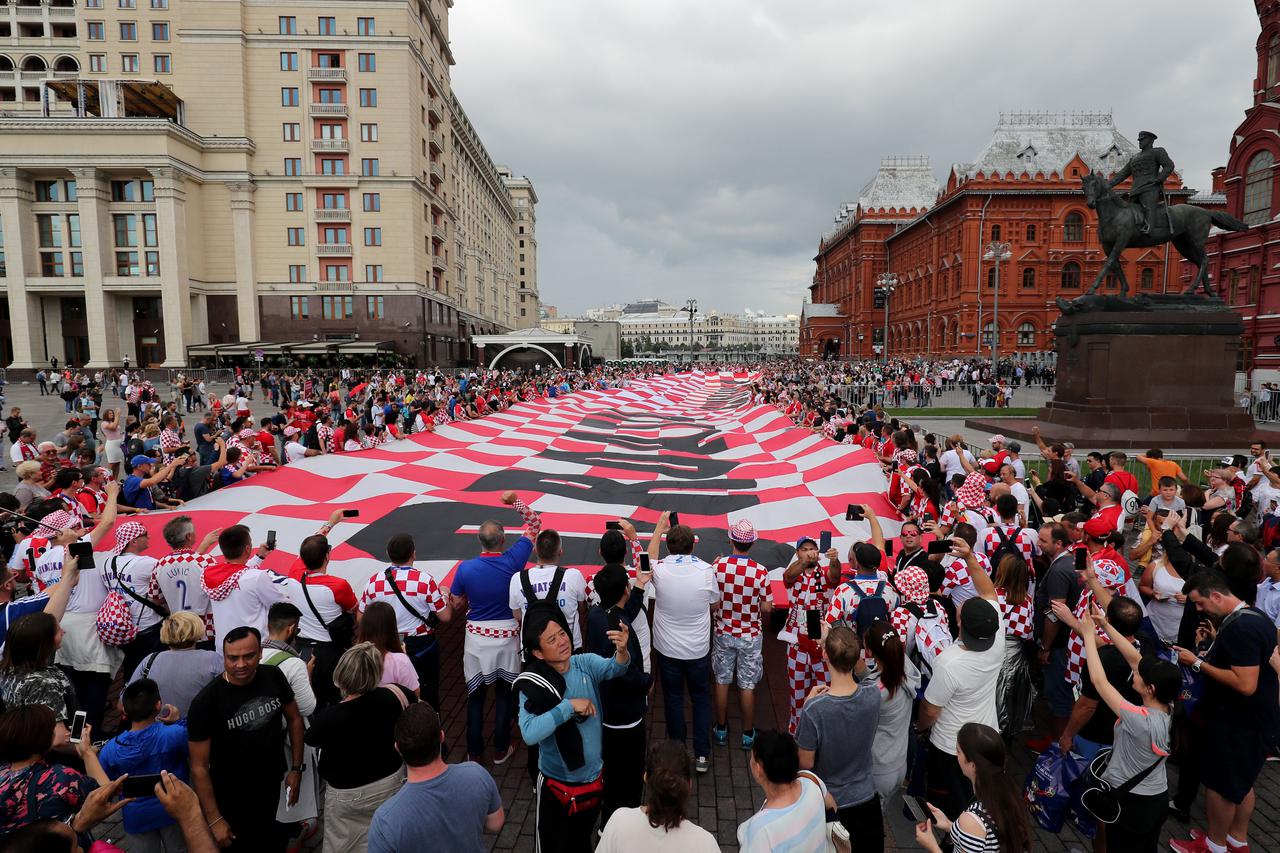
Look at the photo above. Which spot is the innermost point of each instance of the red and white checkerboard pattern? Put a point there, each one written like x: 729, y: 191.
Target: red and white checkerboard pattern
x: 802, y: 481
x: 1018, y: 617
x: 1022, y: 537
x: 418, y: 588
x: 742, y: 582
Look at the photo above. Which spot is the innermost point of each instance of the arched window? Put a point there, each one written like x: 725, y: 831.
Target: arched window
x: 991, y: 277
x: 987, y: 331
x: 1029, y: 279
x: 1257, y: 188
x: 1273, y: 60
x: 1031, y: 233
x: 1071, y: 276
x: 1148, y: 281
x: 1073, y: 228
x: 995, y: 232
x: 1026, y: 335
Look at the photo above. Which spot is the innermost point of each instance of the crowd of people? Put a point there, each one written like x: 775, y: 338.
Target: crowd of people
x: 223, y: 705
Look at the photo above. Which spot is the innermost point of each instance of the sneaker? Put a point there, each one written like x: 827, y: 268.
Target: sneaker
x: 701, y: 764
x: 1181, y: 815
x: 721, y: 734
x: 748, y: 739
x: 506, y: 756
x: 1189, y: 845
x: 1201, y: 835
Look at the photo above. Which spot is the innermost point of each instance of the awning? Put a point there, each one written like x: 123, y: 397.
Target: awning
x: 209, y: 350
x: 365, y: 347
x: 240, y: 348
x: 315, y: 347
x: 281, y: 348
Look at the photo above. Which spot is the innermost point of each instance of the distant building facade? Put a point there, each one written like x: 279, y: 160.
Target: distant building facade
x: 651, y: 325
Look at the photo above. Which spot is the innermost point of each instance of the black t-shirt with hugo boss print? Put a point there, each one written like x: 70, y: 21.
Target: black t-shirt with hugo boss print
x: 245, y: 728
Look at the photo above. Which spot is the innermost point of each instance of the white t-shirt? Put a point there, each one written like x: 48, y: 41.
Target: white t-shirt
x: 89, y: 592
x: 1019, y: 493
x: 573, y: 591
x: 293, y: 451
x: 964, y: 687
x: 628, y: 830
x: 135, y: 572
x: 178, y: 576
x: 248, y: 604
x: 1019, y: 467
x: 950, y: 462
x: 684, y: 589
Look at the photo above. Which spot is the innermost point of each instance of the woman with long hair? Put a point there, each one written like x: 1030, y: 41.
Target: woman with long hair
x: 28, y: 675
x: 1015, y: 694
x: 378, y: 626
x: 898, y: 682
x: 926, y: 495
x: 33, y: 789
x: 996, y: 820
x: 663, y: 820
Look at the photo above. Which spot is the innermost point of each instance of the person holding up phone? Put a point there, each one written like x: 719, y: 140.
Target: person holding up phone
x: 240, y: 591
x: 810, y: 586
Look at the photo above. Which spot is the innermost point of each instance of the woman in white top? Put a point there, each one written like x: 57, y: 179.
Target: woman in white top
x: 662, y: 822
x: 1163, y: 585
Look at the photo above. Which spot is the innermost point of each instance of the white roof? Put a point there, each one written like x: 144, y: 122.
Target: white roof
x: 821, y: 309
x: 904, y: 182
x: 1046, y: 142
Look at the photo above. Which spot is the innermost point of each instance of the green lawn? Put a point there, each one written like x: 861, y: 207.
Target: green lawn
x: 1196, y: 468
x: 962, y: 412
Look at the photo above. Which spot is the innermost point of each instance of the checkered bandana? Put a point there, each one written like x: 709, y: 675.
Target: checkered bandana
x: 913, y: 584
x: 744, y: 532
x: 905, y: 458
x: 56, y: 522
x: 973, y: 493
x: 126, y: 533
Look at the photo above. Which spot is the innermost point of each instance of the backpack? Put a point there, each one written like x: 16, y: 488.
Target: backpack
x: 932, y: 635
x: 114, y: 621
x: 1007, y: 547
x: 549, y: 605
x: 872, y: 608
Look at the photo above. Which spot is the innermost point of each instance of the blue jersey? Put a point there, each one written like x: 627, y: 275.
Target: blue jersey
x: 486, y: 581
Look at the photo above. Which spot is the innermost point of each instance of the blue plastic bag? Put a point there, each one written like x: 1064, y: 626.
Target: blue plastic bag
x: 1049, y: 787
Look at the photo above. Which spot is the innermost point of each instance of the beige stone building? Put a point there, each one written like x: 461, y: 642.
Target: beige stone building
x: 232, y: 175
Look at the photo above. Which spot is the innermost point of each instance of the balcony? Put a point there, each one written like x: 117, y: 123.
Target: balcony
x: 344, y: 286
x: 327, y: 74
x: 436, y: 139
x: 330, y: 249
x: 62, y: 12
x: 329, y: 144
x: 438, y: 262
x: 31, y: 11
x: 328, y: 109
x: 433, y: 112
x: 32, y: 76
x: 333, y: 214
x: 437, y: 172
x: 438, y: 232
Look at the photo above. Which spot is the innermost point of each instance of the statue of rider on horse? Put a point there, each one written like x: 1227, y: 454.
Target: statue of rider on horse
x: 1149, y: 168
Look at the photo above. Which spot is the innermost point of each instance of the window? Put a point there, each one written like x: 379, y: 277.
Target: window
x: 328, y: 26
x: 365, y: 27
x: 299, y: 307
x: 995, y: 232
x: 1073, y: 228
x: 93, y: 4
x: 991, y: 277
x: 162, y: 63
x: 153, y: 263
x: 1258, y: 188
x: 148, y: 189
x: 1244, y: 355
x: 374, y: 306
x: 159, y: 30
x: 1026, y: 335
x: 367, y: 62
x: 368, y: 97
x: 128, y: 4
x: 293, y: 201
x: 1031, y: 233
x: 1273, y: 60
x: 334, y: 235
x: 98, y: 62
x: 987, y: 332
x: 297, y: 236
x: 1028, y: 279
x: 369, y: 167
x: 373, y: 202
x: 339, y: 272
x: 47, y: 191
x: 373, y: 236
x: 293, y: 166
x: 333, y: 201
x: 336, y: 307
x: 288, y: 61
x: 373, y: 272
x: 123, y: 191
x: 128, y: 31
x: 330, y: 96
x: 333, y: 166
x: 368, y: 133
x: 288, y: 25
x: 292, y: 131
x: 1233, y: 287
x: 49, y: 230
x: 159, y: 4
x: 331, y: 131
x: 95, y: 31
x: 289, y: 96
x: 1253, y: 286
x: 129, y: 63
x: 127, y: 264
x: 1147, y: 279
x: 149, y: 233
x: 297, y: 273
x: 1071, y: 276
x: 328, y: 60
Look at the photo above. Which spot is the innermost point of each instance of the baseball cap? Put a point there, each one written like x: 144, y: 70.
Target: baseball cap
x: 803, y: 539
x: 291, y: 431
x: 141, y: 459
x: 867, y: 556
x: 1068, y: 445
x: 1227, y: 460
x: 979, y: 623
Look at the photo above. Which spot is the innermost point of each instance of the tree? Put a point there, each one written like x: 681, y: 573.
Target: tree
x: 628, y: 351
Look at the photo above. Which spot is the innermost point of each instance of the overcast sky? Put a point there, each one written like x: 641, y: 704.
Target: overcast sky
x: 701, y: 148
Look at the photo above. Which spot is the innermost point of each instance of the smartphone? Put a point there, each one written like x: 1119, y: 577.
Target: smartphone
x: 141, y: 786
x: 1162, y: 513
x: 1082, y: 559
x: 644, y: 562
x: 83, y: 551
x: 615, y: 618
x: 350, y: 513
x: 613, y: 525
x: 926, y: 517
x: 888, y: 547
x: 271, y: 540
x: 853, y: 512
x: 919, y: 812
x: 77, y: 725
x: 675, y: 518
x: 308, y: 651
x: 939, y: 546
x: 824, y: 541
x: 813, y: 624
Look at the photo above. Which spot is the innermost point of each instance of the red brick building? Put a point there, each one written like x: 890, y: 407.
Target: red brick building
x: 1023, y: 188
x: 1244, y: 267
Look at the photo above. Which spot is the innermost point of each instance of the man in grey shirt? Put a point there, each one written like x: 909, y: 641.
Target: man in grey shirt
x: 835, y: 734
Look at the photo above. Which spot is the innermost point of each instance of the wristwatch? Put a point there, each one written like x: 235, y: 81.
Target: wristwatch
x: 297, y: 768
x: 1195, y: 665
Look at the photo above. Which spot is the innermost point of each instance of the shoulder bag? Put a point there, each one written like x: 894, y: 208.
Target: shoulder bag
x: 342, y: 630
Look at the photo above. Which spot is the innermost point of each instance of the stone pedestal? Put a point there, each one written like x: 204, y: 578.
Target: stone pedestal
x: 1159, y: 375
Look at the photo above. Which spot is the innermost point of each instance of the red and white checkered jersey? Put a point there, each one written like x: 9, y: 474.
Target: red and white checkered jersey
x: 956, y: 581
x: 952, y: 513
x: 177, y: 580
x: 904, y: 624
x: 1025, y: 540
x: 1017, y: 617
x: 844, y: 604
x: 418, y: 588
x: 810, y: 592
x: 743, y: 583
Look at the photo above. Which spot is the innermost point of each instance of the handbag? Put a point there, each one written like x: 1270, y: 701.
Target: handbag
x: 837, y: 836
x: 577, y: 798
x: 1098, y: 797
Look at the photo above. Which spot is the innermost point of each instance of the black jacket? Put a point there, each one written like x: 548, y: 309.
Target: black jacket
x: 623, y: 700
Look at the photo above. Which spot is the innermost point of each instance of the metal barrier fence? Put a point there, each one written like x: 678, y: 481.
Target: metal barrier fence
x: 1196, y: 468
x: 209, y: 377
x: 957, y: 395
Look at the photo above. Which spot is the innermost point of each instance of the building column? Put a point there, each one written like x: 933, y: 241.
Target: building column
x: 175, y: 285
x: 242, y: 207
x: 93, y: 193
x: 26, y: 326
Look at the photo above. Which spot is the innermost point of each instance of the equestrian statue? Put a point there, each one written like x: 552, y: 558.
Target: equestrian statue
x: 1147, y: 219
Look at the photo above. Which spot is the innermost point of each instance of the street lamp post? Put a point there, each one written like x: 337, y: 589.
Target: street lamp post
x: 691, y: 305
x: 887, y: 283
x: 996, y: 252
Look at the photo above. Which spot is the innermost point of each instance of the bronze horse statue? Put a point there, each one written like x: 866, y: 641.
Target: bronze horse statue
x: 1186, y: 226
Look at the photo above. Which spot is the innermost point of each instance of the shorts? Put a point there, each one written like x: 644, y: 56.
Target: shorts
x: 1238, y: 755
x: 730, y: 653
